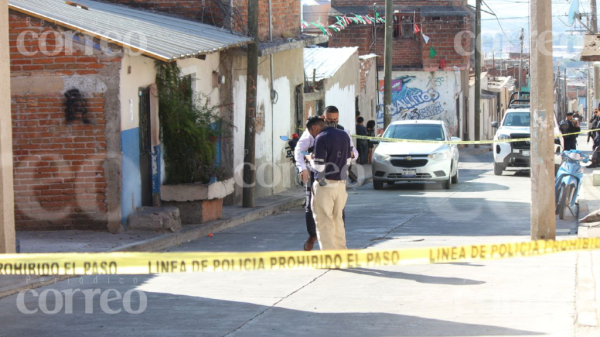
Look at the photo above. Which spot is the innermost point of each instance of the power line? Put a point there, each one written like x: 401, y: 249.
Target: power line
x: 499, y: 24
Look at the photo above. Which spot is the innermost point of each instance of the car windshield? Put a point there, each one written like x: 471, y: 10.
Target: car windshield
x: 415, y: 131
x: 517, y: 119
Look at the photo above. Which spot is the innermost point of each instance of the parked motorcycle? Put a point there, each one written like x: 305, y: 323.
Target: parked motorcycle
x: 568, y: 181
x: 290, y: 148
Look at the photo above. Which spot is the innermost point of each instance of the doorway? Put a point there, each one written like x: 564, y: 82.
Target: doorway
x: 145, y: 147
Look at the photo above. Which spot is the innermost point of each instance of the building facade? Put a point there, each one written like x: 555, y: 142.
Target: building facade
x: 431, y: 56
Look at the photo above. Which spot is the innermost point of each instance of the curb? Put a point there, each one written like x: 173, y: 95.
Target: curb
x: 188, y: 233
x: 194, y: 232
x: 473, y: 151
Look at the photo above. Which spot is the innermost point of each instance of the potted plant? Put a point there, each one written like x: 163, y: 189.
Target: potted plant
x: 190, y: 130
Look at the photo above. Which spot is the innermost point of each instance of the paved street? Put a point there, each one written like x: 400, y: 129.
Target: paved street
x: 520, y: 297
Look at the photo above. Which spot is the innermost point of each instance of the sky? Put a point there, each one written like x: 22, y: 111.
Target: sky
x: 514, y: 15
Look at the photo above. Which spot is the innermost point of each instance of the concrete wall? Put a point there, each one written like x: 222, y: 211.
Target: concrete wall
x: 342, y: 89
x: 485, y: 123
x: 368, y: 94
x: 7, y: 214
x: 275, y: 173
x: 423, y: 95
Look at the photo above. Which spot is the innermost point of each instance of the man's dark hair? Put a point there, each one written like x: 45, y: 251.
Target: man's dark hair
x: 371, y: 124
x: 332, y: 109
x: 360, y: 120
x: 314, y: 120
x: 357, y: 113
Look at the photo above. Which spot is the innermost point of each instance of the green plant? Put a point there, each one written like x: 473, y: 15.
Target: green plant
x: 189, y: 129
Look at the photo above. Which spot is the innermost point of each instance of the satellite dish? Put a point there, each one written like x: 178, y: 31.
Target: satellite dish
x: 573, y: 12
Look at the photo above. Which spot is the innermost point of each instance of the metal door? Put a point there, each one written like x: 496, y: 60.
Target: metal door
x: 145, y: 147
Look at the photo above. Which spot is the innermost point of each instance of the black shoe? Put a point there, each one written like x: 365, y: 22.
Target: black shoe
x: 310, y: 243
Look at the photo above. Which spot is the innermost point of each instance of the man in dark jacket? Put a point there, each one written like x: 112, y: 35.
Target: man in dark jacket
x: 568, y: 126
x: 593, y: 125
x: 362, y: 144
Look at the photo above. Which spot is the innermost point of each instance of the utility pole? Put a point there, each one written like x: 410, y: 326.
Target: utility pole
x: 522, y: 38
x: 543, y: 221
x: 7, y: 203
x: 250, y: 136
x: 387, y: 63
x: 588, y: 96
x: 594, y: 20
x: 478, y: 71
x: 594, y: 27
x: 566, y: 108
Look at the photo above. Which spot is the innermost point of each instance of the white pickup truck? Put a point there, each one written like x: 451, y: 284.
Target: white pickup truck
x: 516, y: 124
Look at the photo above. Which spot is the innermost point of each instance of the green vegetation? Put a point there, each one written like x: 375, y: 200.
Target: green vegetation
x: 190, y: 128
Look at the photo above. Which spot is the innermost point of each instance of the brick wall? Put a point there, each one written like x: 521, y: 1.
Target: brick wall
x: 191, y: 9
x: 285, y: 18
x: 58, y: 165
x: 381, y: 3
x: 410, y: 53
x: 365, y: 67
x: 442, y: 36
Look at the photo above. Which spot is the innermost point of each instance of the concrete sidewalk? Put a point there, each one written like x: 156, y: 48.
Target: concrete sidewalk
x: 587, y: 301
x: 89, y: 241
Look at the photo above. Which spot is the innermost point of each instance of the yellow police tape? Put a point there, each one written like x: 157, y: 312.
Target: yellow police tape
x: 76, y: 264
x: 459, y: 142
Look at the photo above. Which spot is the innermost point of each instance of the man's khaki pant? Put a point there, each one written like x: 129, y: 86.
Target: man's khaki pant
x: 328, y: 204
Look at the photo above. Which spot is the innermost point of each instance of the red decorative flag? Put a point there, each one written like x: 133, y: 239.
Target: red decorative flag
x: 442, y: 63
x: 417, y: 30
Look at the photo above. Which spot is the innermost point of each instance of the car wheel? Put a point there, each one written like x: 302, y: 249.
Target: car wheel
x: 377, y: 185
x: 455, y: 177
x: 498, y: 169
x: 448, y: 183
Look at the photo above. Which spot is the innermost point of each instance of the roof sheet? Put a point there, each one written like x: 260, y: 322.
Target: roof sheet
x: 326, y: 61
x: 159, y: 36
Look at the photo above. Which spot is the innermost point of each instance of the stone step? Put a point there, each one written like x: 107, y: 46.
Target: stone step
x: 596, y: 177
x: 158, y: 219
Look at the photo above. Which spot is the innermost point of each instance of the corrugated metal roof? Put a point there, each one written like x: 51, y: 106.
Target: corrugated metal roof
x: 158, y: 36
x: 326, y: 61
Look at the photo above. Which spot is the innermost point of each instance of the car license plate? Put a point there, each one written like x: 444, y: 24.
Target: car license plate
x: 409, y: 173
x: 526, y: 153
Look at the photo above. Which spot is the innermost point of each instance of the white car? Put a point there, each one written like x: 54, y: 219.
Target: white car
x: 516, y: 124
x: 396, y: 161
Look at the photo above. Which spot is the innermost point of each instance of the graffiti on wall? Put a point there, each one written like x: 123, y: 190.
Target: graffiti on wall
x: 411, y: 103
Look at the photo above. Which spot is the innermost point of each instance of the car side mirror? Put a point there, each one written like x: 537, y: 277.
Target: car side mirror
x: 494, y: 124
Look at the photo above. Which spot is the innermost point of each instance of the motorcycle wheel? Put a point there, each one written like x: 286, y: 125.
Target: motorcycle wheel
x: 565, y: 192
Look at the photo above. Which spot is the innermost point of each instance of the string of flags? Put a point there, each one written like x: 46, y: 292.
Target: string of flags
x: 344, y: 21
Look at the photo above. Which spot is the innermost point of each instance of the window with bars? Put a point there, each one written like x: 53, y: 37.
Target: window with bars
x: 404, y: 26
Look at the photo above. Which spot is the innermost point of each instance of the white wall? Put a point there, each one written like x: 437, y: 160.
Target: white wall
x: 485, y: 110
x: 342, y: 89
x: 143, y: 73
x: 273, y: 120
x: 343, y: 98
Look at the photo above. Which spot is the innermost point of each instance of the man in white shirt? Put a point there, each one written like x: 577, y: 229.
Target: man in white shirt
x: 306, y: 144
